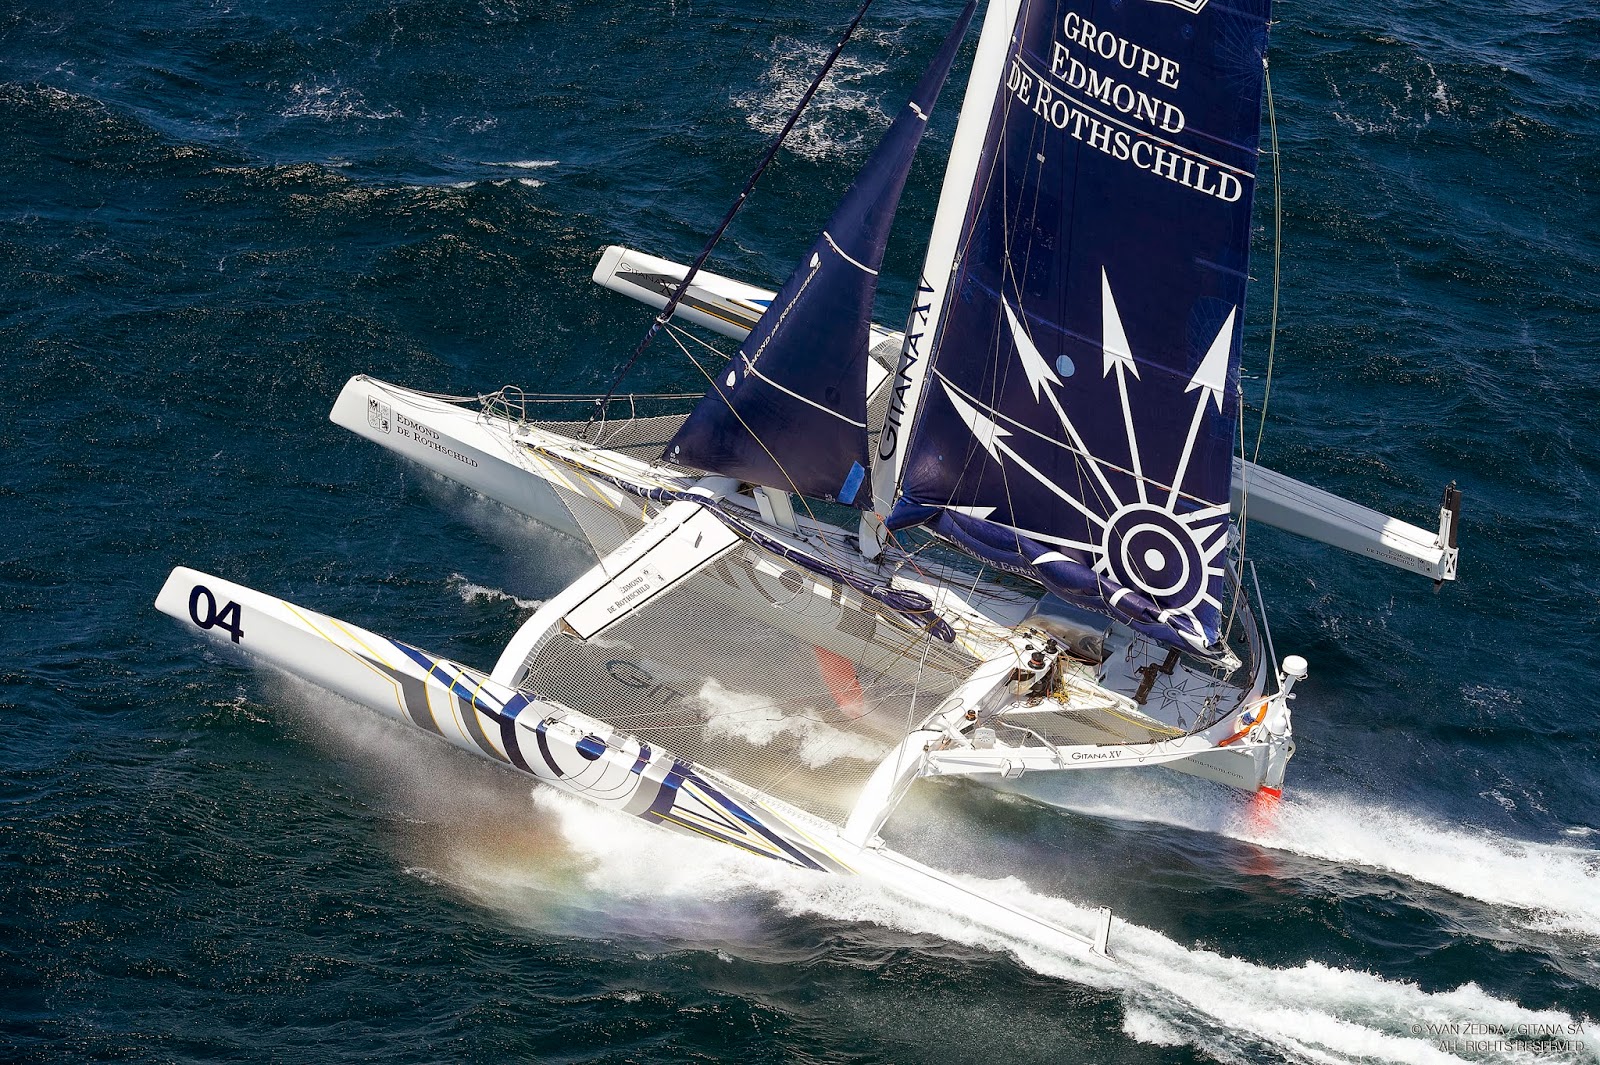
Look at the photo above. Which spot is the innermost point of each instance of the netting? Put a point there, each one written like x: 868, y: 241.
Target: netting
x: 640, y: 438
x: 605, y: 526
x: 791, y: 684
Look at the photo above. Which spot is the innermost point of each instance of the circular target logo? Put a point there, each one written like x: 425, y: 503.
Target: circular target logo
x: 1152, y: 550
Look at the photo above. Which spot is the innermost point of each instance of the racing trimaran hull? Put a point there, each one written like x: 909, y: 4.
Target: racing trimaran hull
x: 1145, y: 650
x: 528, y: 469
x: 570, y: 751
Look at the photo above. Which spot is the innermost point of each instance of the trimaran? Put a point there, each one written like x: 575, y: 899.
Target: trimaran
x: 1042, y: 567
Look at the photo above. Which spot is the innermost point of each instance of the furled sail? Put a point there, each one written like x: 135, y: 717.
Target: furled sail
x: 790, y: 411
x: 1082, y: 306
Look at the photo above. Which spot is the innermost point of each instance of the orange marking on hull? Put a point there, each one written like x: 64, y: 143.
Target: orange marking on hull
x: 1264, y: 807
x: 839, y: 674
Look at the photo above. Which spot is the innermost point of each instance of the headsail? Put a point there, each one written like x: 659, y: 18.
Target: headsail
x: 1078, y: 412
x: 790, y: 411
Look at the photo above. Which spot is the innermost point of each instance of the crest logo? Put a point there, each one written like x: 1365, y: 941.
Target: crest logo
x: 379, y: 414
x: 1192, y: 6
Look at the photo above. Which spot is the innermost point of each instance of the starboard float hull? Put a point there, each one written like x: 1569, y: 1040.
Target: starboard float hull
x: 570, y: 751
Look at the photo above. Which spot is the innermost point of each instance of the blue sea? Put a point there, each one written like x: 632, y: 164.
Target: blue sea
x: 214, y: 212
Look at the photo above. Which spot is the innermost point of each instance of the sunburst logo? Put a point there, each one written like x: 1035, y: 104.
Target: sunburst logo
x: 1139, y: 538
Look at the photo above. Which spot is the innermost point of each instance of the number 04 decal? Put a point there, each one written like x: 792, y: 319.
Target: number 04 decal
x: 203, y: 611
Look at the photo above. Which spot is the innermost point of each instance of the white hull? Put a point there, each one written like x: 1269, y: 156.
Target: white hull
x: 683, y: 534
x: 567, y: 750
x: 457, y: 443
x: 527, y: 468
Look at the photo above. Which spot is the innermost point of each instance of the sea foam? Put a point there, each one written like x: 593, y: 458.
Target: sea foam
x: 1546, y: 886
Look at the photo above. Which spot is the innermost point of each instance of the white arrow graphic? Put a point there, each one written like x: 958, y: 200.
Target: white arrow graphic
x: 1041, y: 376
x: 989, y: 435
x: 1114, y: 342
x: 1211, y: 378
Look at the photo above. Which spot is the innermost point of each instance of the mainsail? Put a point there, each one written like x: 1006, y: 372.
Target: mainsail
x: 790, y: 412
x: 1082, y: 306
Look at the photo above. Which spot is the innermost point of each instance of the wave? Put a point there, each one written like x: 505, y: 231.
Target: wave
x: 1405, y: 99
x: 470, y: 591
x: 566, y: 868
x: 625, y: 877
x: 532, y: 183
x: 818, y: 133
x: 1552, y: 887
x: 332, y: 102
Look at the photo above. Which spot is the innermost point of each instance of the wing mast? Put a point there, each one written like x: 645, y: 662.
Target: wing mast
x: 949, y: 222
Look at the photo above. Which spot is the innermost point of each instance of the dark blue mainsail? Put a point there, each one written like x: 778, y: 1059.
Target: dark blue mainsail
x: 1078, y: 418
x: 790, y: 411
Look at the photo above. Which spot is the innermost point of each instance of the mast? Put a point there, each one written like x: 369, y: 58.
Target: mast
x: 983, y: 84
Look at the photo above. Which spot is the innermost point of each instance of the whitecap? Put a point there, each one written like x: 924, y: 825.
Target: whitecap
x: 1545, y: 886
x: 310, y: 100
x: 817, y: 135
x: 1228, y: 1008
x: 470, y: 591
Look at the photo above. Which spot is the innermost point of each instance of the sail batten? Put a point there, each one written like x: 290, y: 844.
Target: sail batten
x: 1082, y: 307
x: 791, y: 411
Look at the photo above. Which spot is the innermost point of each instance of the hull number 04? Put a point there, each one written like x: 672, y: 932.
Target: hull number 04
x: 203, y: 611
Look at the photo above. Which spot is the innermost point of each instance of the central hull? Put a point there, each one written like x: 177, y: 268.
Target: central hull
x: 571, y: 486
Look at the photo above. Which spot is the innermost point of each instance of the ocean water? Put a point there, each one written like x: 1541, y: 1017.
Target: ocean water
x: 214, y: 212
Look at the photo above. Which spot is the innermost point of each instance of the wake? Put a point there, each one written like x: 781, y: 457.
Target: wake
x: 1548, y: 887
x: 633, y: 878
x: 566, y: 868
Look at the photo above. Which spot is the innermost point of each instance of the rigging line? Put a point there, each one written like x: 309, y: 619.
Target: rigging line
x: 684, y: 334
x: 1272, y: 343
x: 1277, y: 257
x: 572, y: 397
x: 481, y: 398
x: 977, y: 578
x: 1272, y: 334
x: 909, y: 557
x: 906, y: 558
x: 911, y: 704
x: 1236, y: 585
x: 900, y: 752
x: 705, y: 253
